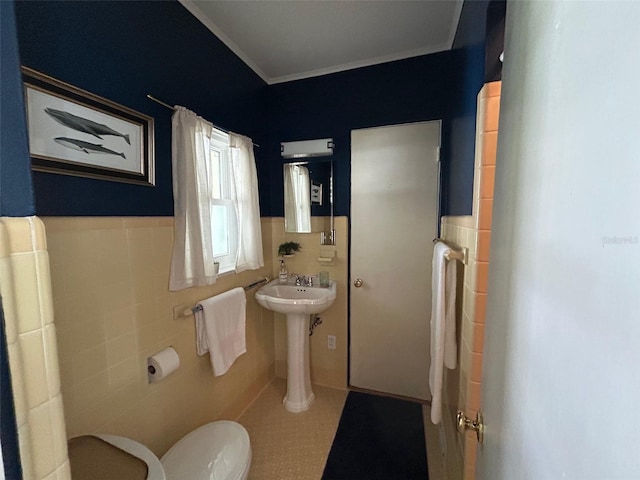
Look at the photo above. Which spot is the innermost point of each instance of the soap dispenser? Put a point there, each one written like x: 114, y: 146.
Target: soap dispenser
x: 284, y: 274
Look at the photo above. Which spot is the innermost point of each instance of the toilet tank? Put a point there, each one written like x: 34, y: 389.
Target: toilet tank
x: 216, y: 451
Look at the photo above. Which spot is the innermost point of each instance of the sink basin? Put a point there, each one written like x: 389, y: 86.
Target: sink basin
x: 298, y: 303
x: 296, y: 299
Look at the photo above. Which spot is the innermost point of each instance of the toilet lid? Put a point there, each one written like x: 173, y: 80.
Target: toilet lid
x: 92, y: 458
x: 215, y: 451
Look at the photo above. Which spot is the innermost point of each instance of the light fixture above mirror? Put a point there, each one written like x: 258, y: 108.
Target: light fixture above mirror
x: 321, y: 147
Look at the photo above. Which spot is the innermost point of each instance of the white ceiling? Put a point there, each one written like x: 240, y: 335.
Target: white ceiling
x: 289, y: 40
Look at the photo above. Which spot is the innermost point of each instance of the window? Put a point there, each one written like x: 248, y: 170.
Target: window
x: 224, y: 222
x: 216, y: 207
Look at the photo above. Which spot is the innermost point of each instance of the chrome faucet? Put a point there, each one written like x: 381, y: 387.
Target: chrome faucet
x: 302, y: 281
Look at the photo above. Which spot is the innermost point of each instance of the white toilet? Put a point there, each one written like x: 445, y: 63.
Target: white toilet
x: 216, y: 451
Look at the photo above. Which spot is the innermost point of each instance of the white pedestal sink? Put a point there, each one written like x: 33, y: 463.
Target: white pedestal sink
x: 297, y: 302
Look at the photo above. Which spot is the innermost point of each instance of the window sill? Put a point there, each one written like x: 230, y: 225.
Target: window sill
x: 225, y: 273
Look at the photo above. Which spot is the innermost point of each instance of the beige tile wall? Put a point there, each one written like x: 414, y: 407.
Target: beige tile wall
x: 328, y: 367
x: 474, y: 232
x: 113, y: 309
x: 25, y: 288
x: 458, y: 231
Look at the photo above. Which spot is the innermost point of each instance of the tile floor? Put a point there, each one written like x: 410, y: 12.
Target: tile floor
x: 288, y: 446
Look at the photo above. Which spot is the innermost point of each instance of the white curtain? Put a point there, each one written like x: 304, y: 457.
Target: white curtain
x: 192, y: 261
x: 245, y: 182
x: 297, y: 198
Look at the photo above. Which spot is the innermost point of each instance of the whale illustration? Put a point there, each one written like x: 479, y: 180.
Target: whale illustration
x: 83, y: 125
x: 85, y: 147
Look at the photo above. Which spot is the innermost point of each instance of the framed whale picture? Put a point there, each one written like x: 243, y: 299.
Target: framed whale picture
x: 74, y: 132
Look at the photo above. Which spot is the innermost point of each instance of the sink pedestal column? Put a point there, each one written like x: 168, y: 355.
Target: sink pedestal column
x: 299, y: 395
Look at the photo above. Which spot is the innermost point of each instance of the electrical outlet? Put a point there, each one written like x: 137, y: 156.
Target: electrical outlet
x: 331, y: 342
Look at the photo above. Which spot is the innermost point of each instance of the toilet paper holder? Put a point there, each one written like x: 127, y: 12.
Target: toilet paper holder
x: 162, y: 364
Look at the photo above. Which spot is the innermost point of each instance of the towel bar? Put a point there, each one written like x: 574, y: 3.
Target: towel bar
x: 455, y: 254
x: 189, y: 311
x: 198, y: 308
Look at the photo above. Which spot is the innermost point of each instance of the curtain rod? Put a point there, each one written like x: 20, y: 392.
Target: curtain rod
x: 151, y: 97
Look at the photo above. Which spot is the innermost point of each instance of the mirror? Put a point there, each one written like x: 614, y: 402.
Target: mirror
x: 308, y: 196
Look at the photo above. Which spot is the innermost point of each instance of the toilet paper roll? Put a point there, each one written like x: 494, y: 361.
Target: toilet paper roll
x: 162, y: 364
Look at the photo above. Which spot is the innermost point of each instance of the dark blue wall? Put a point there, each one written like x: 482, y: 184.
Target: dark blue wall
x: 123, y: 51
x: 16, y: 199
x: 8, y: 427
x: 458, y: 172
x: 16, y: 192
x: 496, y: 16
x: 424, y: 88
x: 470, y: 44
x: 472, y: 24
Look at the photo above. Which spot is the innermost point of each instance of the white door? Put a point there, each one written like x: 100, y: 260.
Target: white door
x: 394, y: 217
x: 560, y: 389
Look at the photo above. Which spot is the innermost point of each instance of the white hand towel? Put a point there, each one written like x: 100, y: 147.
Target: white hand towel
x: 444, y: 350
x: 450, y: 343
x: 220, y: 329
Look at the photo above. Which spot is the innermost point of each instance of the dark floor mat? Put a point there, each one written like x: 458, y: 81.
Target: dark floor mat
x: 378, y: 438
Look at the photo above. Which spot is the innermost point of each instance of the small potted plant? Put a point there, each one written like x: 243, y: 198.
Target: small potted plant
x: 288, y: 249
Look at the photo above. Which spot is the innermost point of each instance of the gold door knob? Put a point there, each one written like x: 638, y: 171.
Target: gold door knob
x: 358, y: 283
x: 476, y: 425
